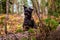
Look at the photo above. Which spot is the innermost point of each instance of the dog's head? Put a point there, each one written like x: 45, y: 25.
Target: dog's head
x: 28, y: 10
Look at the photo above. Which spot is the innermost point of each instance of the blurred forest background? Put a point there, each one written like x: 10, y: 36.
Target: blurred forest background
x: 46, y: 15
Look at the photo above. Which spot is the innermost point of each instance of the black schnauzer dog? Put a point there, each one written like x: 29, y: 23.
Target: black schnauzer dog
x: 28, y: 20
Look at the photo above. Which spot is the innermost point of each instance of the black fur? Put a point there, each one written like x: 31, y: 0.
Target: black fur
x: 28, y: 20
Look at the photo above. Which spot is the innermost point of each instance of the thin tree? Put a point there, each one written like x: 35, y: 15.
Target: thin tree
x: 7, y: 8
x: 0, y: 6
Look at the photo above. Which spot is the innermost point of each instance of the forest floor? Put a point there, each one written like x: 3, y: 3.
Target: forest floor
x: 14, y: 22
x: 14, y: 28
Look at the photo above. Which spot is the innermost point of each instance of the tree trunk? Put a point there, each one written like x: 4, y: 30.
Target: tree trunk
x: 0, y: 6
x: 36, y: 7
x: 7, y: 8
x: 41, y: 23
x: 13, y: 7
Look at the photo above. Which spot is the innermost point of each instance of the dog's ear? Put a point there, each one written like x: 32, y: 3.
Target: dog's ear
x: 59, y: 22
x: 31, y: 9
x: 24, y: 6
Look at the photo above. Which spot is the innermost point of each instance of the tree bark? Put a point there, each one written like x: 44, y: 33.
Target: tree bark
x: 7, y: 8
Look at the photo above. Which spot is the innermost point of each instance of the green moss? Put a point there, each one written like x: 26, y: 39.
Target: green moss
x: 19, y: 30
x: 33, y: 38
x: 31, y: 30
x: 24, y: 38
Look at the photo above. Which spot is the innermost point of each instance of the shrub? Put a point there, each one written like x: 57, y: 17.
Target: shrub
x: 24, y: 38
x: 19, y: 30
x: 33, y: 38
x: 2, y: 19
x: 51, y: 23
x: 31, y: 30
